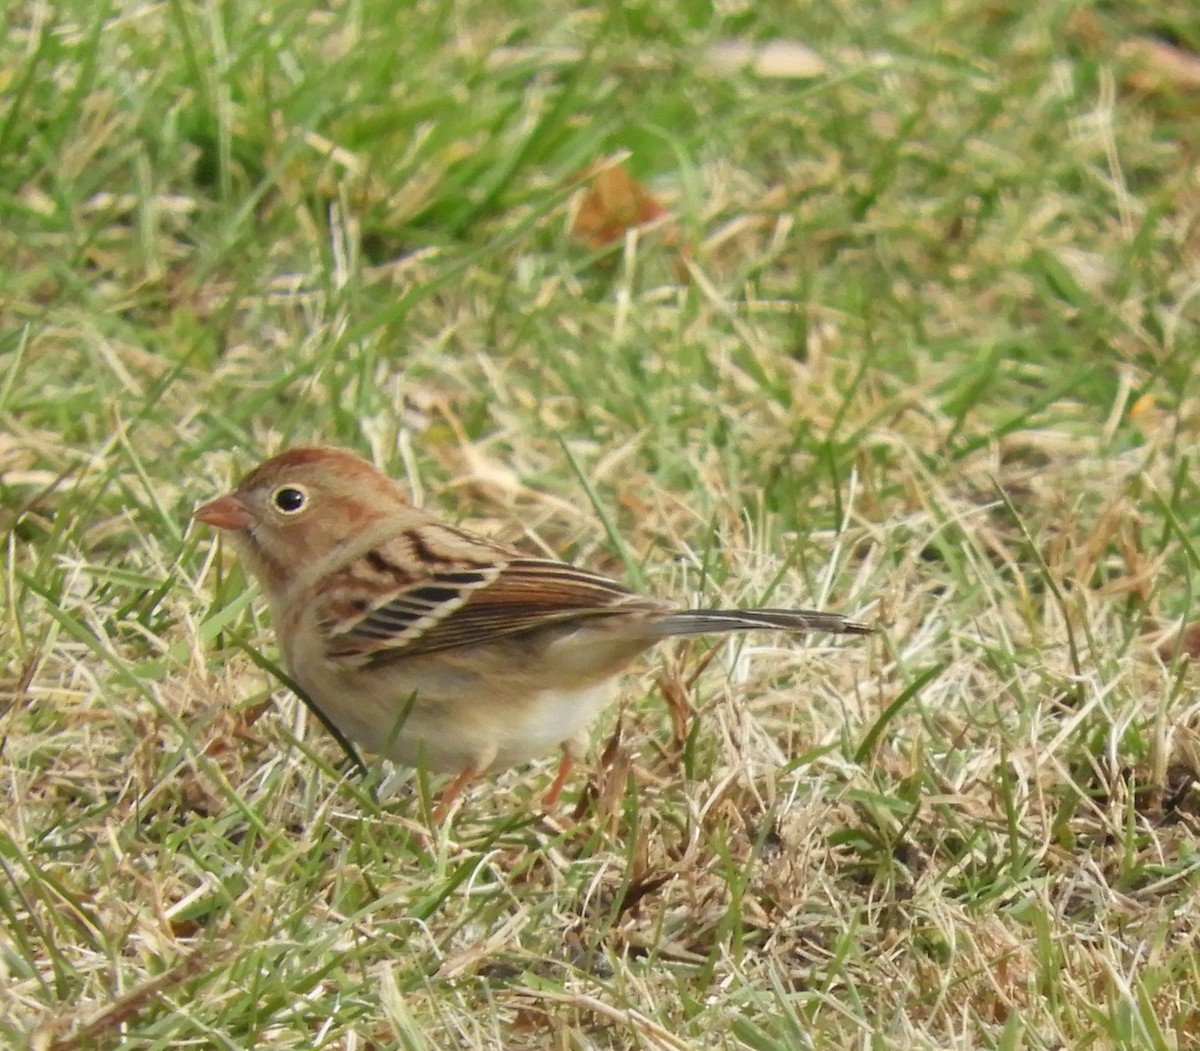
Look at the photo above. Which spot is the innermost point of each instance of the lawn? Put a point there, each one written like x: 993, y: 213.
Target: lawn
x: 911, y: 334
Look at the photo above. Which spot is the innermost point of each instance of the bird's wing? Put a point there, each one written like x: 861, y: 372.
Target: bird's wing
x: 436, y: 588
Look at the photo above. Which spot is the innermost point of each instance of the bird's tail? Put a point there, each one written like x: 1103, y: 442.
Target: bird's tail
x: 711, y: 621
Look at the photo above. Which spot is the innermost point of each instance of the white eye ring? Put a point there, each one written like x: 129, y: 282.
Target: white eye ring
x: 290, y: 499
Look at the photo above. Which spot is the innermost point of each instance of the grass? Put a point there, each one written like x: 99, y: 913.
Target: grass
x: 919, y: 344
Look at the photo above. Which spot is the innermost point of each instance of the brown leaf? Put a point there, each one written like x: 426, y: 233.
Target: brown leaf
x: 1159, y: 66
x: 614, y: 202
x: 1186, y: 642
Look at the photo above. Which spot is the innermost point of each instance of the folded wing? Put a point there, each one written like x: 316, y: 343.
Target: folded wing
x: 377, y: 608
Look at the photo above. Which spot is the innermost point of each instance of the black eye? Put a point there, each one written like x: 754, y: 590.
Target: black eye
x: 289, y: 499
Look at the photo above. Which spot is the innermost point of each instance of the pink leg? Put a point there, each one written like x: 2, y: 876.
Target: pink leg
x: 550, y: 800
x: 452, y: 791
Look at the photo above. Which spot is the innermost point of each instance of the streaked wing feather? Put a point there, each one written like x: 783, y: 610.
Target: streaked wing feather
x: 715, y: 621
x: 455, y: 602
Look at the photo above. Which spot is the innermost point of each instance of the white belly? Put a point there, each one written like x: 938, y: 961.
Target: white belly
x: 551, y: 720
x: 482, y: 726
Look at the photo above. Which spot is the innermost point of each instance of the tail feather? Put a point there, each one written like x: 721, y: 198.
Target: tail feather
x: 712, y: 621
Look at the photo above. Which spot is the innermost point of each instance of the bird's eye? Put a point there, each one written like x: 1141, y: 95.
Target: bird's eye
x: 289, y: 499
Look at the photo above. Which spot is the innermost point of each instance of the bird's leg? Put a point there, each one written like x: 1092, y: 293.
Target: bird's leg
x: 452, y: 791
x: 550, y: 799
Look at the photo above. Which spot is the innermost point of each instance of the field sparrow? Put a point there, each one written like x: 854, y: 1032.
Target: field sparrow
x: 432, y: 645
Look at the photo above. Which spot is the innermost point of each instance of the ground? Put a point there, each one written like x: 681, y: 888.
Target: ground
x: 902, y: 324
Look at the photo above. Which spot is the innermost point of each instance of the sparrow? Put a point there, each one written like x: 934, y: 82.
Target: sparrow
x: 432, y: 645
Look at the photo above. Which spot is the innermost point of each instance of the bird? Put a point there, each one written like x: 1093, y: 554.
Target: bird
x: 435, y: 646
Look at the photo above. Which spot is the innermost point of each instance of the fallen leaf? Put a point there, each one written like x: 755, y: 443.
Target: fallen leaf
x: 614, y: 203
x: 1141, y: 407
x: 1186, y: 642
x: 1159, y: 66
